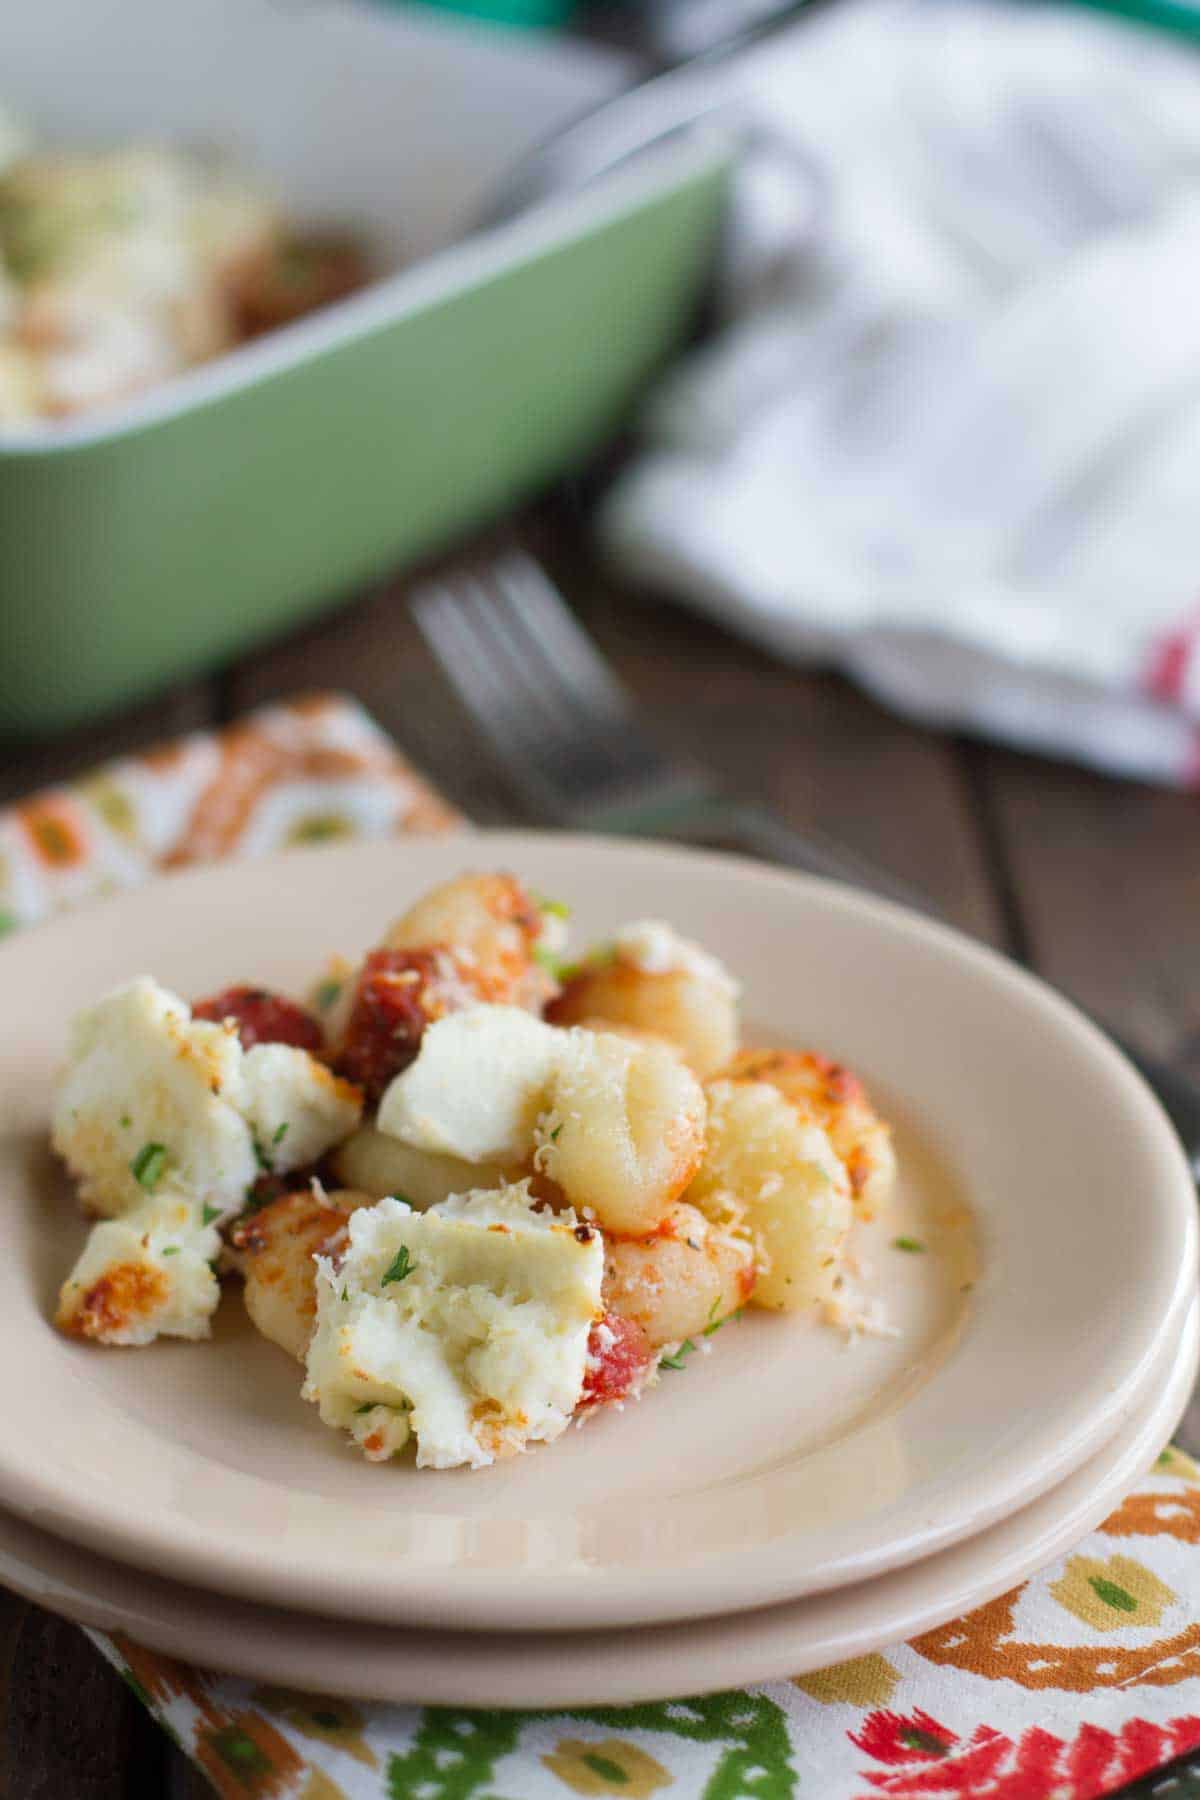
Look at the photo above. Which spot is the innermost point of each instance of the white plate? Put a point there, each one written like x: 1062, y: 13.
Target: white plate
x: 783, y: 1463
x: 438, y: 1668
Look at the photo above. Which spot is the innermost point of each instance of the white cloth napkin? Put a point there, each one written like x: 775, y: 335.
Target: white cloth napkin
x: 953, y: 445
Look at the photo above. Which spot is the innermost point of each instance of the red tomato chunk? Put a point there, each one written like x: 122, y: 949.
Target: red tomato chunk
x: 262, y: 1018
x: 618, y: 1355
x: 399, y: 992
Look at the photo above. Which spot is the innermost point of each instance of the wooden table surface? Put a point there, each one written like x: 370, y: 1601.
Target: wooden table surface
x: 1095, y: 883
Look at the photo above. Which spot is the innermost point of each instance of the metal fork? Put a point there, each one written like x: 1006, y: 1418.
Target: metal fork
x: 566, y: 733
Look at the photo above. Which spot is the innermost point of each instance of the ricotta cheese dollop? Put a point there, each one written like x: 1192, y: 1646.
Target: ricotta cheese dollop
x: 465, y: 1326
x: 154, y: 1099
x: 477, y: 1087
x: 656, y: 948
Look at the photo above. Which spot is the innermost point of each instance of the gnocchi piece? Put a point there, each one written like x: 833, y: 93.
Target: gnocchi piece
x: 836, y: 1099
x: 682, y: 1280
x: 494, y: 929
x: 624, y: 1131
x: 657, y: 982
x: 773, y: 1173
x: 633, y: 1034
x: 378, y: 1164
x: 274, y: 1249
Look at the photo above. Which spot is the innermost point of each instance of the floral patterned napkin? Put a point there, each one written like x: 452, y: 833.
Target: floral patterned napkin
x: 1067, y: 1688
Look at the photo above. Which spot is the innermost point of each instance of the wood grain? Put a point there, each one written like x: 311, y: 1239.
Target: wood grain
x: 1103, y: 878
x: 69, y: 1728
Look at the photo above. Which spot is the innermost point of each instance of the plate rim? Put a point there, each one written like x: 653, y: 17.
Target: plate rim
x: 973, y: 1570
x: 484, y: 1599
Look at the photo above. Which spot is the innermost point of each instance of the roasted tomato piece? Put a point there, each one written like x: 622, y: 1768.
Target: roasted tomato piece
x: 262, y: 1018
x: 399, y: 992
x: 618, y: 1355
x: 288, y: 280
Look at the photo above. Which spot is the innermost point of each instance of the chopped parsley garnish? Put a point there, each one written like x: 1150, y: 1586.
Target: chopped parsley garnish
x: 556, y: 1134
x: 327, y: 995
x: 261, y: 1158
x: 558, y: 909
x: 149, y: 1166
x: 914, y: 1246
x: 171, y: 1250
x: 126, y: 1121
x: 552, y: 964
x: 281, y: 1133
x: 399, y: 1267
x: 677, y: 1361
x: 367, y: 1406
x: 345, y: 1293
x: 715, y: 1324
x: 209, y: 1214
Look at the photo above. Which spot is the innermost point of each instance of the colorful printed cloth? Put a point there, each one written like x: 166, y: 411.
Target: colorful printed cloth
x: 317, y: 768
x: 1064, y: 1689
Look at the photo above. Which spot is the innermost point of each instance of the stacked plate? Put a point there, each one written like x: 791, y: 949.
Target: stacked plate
x: 788, y: 1499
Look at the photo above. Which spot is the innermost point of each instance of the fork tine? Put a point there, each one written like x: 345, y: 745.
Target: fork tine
x: 451, y: 623
x: 569, y: 676
x: 586, y: 742
x: 537, y: 750
x: 545, y: 617
x: 537, y: 707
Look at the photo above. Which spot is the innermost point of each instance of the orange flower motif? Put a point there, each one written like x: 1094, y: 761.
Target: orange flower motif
x: 246, y: 1757
x: 55, y: 829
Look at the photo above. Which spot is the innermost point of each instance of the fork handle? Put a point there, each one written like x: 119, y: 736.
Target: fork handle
x: 724, y: 822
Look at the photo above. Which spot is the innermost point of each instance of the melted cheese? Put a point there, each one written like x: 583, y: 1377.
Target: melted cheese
x: 142, y: 1072
x: 657, y: 949
x: 295, y: 1107
x: 143, y: 1276
x: 478, y: 1349
x: 477, y: 1087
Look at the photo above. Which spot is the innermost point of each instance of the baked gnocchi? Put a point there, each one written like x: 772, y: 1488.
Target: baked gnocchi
x: 475, y: 1192
x: 122, y: 267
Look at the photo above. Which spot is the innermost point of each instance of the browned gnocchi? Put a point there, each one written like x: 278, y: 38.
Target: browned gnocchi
x: 836, y: 1099
x: 682, y: 1280
x: 654, y: 981
x: 273, y: 1250
x: 773, y: 1175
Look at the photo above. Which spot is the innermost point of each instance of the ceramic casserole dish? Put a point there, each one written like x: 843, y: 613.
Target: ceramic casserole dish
x: 150, y: 539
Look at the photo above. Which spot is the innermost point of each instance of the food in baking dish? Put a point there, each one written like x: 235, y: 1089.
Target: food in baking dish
x: 476, y: 1191
x: 120, y: 268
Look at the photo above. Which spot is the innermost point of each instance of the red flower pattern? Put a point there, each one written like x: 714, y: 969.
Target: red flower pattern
x: 928, y: 1761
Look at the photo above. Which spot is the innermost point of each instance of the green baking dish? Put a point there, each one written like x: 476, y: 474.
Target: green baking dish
x: 159, y: 538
